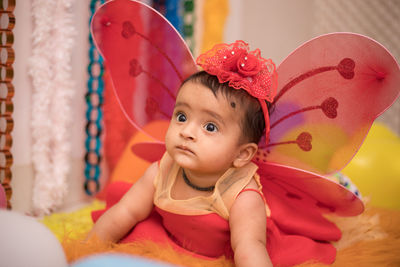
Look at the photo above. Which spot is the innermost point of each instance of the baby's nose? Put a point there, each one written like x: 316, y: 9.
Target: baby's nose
x: 188, y: 132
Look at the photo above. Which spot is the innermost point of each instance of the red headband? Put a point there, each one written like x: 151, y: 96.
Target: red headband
x: 243, y: 69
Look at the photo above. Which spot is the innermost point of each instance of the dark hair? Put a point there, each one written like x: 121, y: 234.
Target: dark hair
x: 252, y: 123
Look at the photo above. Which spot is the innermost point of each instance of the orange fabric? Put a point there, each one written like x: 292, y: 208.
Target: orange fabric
x: 379, y: 252
x: 215, y: 13
x: 76, y: 249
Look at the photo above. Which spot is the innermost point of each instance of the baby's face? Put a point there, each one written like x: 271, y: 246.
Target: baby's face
x: 204, y: 132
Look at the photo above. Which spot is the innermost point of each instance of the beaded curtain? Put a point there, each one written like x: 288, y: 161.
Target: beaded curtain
x: 6, y: 94
x: 94, y: 113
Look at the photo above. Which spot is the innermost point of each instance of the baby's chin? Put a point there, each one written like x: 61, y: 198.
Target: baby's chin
x: 193, y: 162
x: 184, y: 161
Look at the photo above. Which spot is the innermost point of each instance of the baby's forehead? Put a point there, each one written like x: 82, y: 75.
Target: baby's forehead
x: 233, y: 104
x: 222, y: 92
x: 210, y: 98
x: 234, y: 100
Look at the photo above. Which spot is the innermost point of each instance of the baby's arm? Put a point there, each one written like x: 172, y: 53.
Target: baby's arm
x: 133, y: 207
x: 247, y: 220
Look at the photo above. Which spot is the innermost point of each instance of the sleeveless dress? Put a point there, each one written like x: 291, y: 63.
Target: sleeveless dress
x: 199, y: 226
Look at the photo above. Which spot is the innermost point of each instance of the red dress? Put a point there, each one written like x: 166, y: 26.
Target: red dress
x: 200, y: 226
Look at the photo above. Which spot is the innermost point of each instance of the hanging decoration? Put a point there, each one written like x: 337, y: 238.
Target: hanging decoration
x: 160, y: 6
x: 52, y: 94
x: 173, y: 13
x: 94, y: 113
x: 188, y: 23
x: 198, y: 27
x: 6, y: 94
x: 215, y: 13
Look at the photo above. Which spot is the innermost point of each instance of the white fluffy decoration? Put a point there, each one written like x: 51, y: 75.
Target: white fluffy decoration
x: 50, y: 70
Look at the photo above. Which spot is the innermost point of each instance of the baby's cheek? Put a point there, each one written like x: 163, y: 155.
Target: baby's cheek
x: 168, y: 138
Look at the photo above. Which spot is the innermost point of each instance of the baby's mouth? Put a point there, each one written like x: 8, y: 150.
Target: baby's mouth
x: 185, y: 148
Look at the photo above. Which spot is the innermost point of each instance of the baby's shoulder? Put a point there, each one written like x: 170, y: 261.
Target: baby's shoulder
x: 253, y: 184
x: 151, y: 172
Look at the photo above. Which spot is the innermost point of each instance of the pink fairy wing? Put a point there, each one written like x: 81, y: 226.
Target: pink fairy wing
x: 146, y: 57
x: 331, y: 89
x: 307, y: 191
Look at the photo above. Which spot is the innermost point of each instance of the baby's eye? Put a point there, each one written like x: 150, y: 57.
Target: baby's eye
x: 180, y: 117
x: 211, y: 127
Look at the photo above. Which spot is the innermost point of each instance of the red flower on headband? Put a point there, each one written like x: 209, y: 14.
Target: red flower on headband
x: 243, y: 69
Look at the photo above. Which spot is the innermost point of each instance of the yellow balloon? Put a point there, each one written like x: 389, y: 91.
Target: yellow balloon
x: 375, y: 170
x: 381, y: 131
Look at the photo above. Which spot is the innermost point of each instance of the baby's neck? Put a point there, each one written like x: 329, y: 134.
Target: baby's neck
x: 201, y: 179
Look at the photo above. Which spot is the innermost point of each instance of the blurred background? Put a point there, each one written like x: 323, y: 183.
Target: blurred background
x: 277, y: 27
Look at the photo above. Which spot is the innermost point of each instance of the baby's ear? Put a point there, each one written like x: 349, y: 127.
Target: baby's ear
x: 245, y: 154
